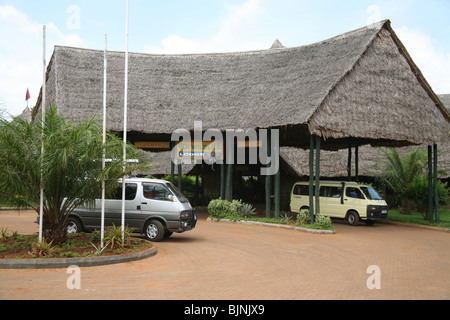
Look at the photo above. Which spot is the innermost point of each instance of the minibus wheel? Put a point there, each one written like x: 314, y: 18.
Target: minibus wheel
x: 352, y: 218
x: 154, y: 231
x: 74, y: 226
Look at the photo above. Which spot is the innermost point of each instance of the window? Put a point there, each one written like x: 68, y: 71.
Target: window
x: 301, y: 190
x: 371, y: 194
x: 130, y: 192
x: 354, y: 193
x: 330, y: 191
x: 155, y: 191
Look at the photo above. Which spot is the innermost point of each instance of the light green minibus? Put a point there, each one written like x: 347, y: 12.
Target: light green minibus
x: 342, y: 199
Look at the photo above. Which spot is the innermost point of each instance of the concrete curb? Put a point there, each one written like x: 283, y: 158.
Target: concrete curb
x: 79, y: 262
x: 275, y: 225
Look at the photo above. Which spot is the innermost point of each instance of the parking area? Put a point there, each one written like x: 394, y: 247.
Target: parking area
x: 231, y: 261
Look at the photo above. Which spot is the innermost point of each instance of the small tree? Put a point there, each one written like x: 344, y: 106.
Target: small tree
x: 399, y: 171
x: 417, y: 192
x: 71, y: 166
x: 406, y: 177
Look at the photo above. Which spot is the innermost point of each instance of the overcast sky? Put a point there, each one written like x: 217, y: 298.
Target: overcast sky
x: 199, y: 26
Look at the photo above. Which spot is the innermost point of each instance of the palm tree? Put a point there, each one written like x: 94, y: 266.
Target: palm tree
x: 71, y: 166
x: 400, y: 171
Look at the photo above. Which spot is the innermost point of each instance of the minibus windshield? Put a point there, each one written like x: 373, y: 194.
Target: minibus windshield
x: 177, y: 193
x: 370, y: 193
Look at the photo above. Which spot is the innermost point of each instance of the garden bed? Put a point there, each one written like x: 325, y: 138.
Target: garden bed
x: 83, y: 245
x: 276, y: 224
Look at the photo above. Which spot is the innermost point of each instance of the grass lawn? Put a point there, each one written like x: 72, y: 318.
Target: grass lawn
x: 416, y: 217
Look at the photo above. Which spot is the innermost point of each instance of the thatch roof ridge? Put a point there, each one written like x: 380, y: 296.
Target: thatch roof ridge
x: 416, y: 97
x: 418, y: 73
x: 445, y: 99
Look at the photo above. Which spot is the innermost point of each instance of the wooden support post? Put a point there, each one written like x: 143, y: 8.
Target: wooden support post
x: 179, y: 177
x: 435, y: 184
x: 172, y: 165
x: 222, y: 181
x: 268, y: 177
x: 311, y: 179
x: 196, y: 185
x: 317, y: 209
x: 229, y: 190
x: 430, y: 184
x: 229, y: 155
x: 349, y: 164
x: 357, y: 163
x: 277, y: 188
x: 202, y: 188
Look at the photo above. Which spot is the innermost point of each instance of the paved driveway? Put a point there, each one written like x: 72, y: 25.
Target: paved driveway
x: 227, y: 261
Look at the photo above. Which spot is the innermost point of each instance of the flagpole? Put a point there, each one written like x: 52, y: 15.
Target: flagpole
x: 125, y: 125
x: 41, y: 206
x: 105, y: 58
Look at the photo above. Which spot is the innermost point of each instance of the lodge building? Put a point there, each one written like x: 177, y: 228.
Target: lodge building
x: 355, y: 91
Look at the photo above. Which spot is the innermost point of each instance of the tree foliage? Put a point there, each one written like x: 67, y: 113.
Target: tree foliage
x: 71, y: 166
x: 406, y: 177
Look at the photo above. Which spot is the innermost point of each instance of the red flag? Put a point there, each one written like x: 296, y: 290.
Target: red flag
x: 28, y: 95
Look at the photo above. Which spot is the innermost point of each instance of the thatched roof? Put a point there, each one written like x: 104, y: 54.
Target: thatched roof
x: 361, y: 84
x: 334, y: 164
x: 445, y: 98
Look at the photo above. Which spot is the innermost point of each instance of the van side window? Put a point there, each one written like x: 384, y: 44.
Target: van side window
x: 301, y: 190
x: 354, y: 193
x: 130, y: 192
x: 330, y: 191
x: 154, y: 191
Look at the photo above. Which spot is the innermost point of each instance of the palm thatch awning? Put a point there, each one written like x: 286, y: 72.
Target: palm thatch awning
x: 360, y: 87
x: 334, y: 163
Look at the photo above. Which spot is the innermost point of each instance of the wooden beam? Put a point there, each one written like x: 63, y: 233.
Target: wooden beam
x: 277, y: 188
x: 435, y: 184
x: 317, y: 175
x: 179, y: 177
x: 430, y: 184
x: 311, y: 179
x: 357, y: 163
x: 222, y: 181
x: 349, y: 164
x: 268, y: 177
x: 172, y: 165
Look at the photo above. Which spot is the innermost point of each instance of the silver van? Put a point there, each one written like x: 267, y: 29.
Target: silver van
x: 155, y: 208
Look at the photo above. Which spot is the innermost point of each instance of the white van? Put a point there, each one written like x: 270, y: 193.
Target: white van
x: 348, y: 200
x: 155, y: 208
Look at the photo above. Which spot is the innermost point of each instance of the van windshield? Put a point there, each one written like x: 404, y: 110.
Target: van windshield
x: 177, y: 193
x: 371, y: 194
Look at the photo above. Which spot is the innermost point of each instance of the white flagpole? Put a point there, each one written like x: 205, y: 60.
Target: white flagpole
x: 41, y: 206
x: 105, y: 58
x: 125, y: 126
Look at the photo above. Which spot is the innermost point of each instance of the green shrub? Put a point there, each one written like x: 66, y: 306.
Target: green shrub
x: 223, y: 209
x: 113, y: 237
x: 417, y: 192
x: 247, y: 210
x: 322, y: 222
x: 303, y: 217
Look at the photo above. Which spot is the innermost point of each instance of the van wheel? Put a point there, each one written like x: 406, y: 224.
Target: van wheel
x: 74, y: 226
x: 154, y: 231
x: 352, y: 218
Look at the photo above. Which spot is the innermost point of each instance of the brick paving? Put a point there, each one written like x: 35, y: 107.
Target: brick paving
x: 219, y: 261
